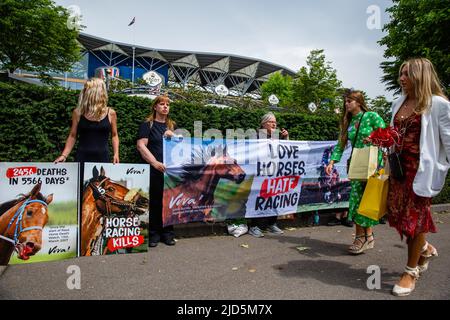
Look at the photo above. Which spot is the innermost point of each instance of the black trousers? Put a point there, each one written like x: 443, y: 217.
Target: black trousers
x: 156, y: 230
x: 262, y: 222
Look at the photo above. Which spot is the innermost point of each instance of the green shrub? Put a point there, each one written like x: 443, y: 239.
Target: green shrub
x: 35, y: 121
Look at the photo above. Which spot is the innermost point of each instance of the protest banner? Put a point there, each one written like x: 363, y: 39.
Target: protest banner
x: 225, y: 179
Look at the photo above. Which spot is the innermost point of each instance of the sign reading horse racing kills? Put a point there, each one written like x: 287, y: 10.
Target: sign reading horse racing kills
x: 115, y: 208
x: 38, y: 212
x: 123, y: 233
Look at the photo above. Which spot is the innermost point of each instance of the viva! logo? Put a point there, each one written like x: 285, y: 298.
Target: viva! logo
x: 276, y: 186
x: 20, y: 171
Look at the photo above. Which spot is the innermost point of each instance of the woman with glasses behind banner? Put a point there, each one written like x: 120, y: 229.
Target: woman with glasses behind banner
x: 422, y: 118
x: 257, y: 225
x: 356, y: 125
x: 150, y: 146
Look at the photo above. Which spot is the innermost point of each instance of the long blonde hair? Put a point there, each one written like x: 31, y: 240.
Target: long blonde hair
x: 347, y: 116
x: 93, y: 99
x: 425, y: 81
x: 151, y: 117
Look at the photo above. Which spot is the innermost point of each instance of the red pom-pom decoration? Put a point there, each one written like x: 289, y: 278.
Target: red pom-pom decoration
x: 384, y: 138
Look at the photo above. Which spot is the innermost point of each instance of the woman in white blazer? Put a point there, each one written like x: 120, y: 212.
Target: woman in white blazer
x: 422, y: 117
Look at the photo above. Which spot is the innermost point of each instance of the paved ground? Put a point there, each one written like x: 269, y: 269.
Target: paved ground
x: 304, y: 263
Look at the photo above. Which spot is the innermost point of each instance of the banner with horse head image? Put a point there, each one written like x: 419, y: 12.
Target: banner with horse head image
x: 115, y: 208
x: 216, y: 180
x: 38, y: 212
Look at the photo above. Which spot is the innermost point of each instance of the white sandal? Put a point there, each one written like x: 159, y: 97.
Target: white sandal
x: 424, y: 267
x: 403, y: 292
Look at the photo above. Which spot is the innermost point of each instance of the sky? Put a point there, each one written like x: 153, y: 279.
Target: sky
x: 281, y: 32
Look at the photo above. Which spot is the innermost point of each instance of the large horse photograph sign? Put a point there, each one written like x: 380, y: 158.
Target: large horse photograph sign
x: 199, y: 182
x: 38, y: 212
x: 114, y: 209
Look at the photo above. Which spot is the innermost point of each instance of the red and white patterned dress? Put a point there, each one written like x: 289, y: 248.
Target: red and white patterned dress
x: 409, y: 213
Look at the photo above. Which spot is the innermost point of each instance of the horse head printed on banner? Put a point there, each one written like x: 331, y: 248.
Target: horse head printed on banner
x: 21, y: 224
x: 102, y: 198
x: 193, y: 198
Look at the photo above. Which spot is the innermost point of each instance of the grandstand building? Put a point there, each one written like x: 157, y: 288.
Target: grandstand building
x: 241, y: 75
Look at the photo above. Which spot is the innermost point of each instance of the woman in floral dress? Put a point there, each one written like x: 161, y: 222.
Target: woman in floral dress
x: 422, y: 118
x: 356, y: 115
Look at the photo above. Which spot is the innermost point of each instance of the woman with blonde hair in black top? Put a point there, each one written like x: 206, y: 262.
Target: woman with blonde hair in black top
x: 92, y: 123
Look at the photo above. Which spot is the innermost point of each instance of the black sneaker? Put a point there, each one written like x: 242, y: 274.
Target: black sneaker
x: 382, y: 220
x: 169, y: 242
x: 153, y: 240
x: 334, y: 222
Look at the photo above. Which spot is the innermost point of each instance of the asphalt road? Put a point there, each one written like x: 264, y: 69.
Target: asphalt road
x: 304, y: 263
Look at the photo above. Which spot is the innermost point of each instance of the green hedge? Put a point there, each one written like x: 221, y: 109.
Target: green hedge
x: 35, y: 122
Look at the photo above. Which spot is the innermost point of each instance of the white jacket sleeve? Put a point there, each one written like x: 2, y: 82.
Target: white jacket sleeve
x: 444, y: 127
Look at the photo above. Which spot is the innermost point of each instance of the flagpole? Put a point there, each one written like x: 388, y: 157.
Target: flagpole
x: 132, y: 70
x: 134, y: 50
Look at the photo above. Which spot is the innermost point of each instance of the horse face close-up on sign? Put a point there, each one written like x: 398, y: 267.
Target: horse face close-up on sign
x: 104, y: 198
x: 21, y: 223
x: 193, y: 198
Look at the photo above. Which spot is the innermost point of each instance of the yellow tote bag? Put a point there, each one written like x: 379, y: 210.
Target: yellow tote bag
x: 364, y: 163
x: 374, y: 201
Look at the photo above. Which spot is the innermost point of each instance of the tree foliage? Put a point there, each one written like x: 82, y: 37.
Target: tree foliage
x: 381, y: 106
x: 34, y: 36
x: 316, y: 83
x: 418, y: 28
x: 281, y: 86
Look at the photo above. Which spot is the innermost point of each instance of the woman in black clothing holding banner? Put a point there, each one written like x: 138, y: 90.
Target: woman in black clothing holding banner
x: 150, y: 146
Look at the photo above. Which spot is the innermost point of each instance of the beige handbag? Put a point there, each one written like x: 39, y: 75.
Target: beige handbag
x: 364, y: 163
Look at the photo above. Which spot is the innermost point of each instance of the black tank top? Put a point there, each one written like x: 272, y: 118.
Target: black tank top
x: 93, y: 140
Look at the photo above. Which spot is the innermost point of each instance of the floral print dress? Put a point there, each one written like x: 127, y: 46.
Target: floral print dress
x: 409, y: 213
x: 370, y: 123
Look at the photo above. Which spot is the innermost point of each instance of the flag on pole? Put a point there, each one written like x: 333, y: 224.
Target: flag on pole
x: 132, y: 21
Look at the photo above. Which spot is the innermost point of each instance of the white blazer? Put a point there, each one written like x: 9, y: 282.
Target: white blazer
x: 434, y: 146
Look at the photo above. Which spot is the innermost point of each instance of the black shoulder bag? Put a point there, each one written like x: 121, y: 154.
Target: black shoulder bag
x: 395, y: 166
